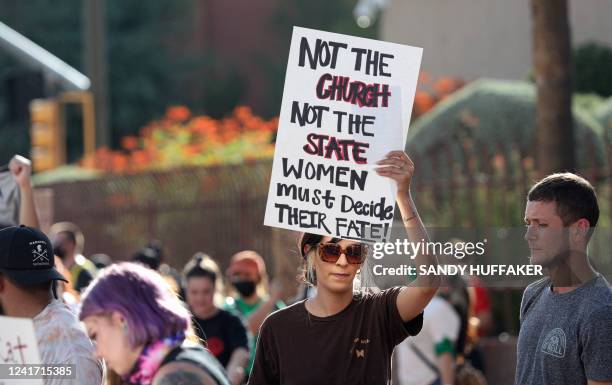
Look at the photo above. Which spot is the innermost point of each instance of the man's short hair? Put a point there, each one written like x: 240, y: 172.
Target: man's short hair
x: 43, y: 288
x: 575, y: 197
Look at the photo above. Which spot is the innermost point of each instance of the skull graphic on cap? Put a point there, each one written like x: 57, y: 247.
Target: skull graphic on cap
x: 40, y: 254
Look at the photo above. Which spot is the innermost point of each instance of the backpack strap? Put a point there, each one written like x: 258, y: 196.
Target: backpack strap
x: 424, y: 359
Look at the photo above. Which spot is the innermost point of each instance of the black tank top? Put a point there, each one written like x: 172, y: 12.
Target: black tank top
x: 200, y: 357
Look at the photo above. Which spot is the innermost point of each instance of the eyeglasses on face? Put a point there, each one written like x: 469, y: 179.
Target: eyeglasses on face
x: 355, y: 253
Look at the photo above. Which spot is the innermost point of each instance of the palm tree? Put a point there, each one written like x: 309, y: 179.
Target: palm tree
x: 552, y: 67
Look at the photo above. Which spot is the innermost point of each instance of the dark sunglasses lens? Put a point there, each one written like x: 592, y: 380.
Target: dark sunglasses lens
x: 356, y: 253
x: 330, y: 252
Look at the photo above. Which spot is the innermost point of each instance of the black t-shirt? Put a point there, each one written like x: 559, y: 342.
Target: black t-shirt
x: 224, y: 333
x: 83, y: 280
x: 351, y: 347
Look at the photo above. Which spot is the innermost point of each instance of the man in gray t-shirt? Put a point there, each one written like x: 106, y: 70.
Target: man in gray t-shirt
x: 565, y: 338
x: 566, y: 318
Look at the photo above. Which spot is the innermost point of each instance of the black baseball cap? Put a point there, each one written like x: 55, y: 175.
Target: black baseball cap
x: 26, y: 256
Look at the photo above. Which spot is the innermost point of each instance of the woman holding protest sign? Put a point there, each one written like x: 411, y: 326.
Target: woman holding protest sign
x: 141, y: 329
x: 339, y: 337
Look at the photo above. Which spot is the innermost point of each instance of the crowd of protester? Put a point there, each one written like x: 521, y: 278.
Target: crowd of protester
x: 144, y: 317
x: 143, y: 321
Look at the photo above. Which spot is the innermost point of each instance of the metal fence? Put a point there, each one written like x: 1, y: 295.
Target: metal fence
x: 470, y: 183
x: 220, y: 210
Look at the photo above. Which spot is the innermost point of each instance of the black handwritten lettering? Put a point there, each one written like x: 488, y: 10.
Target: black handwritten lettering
x: 374, y: 61
x: 335, y: 175
x: 378, y: 210
x: 305, y: 194
x: 322, y: 55
x: 307, y: 219
x: 359, y: 229
x: 308, y: 114
x: 296, y: 193
x: 382, y: 65
x: 356, y: 123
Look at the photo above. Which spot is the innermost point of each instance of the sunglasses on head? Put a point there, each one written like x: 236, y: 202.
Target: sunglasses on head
x: 355, y: 253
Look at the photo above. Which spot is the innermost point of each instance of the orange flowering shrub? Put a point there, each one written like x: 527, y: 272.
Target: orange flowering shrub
x: 178, y: 113
x: 180, y: 139
x: 430, y: 92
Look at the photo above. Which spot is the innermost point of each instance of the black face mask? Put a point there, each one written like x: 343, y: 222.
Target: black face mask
x: 245, y: 288
x: 59, y: 251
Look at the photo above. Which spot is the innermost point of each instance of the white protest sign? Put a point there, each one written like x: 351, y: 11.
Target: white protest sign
x: 346, y: 103
x: 18, y: 346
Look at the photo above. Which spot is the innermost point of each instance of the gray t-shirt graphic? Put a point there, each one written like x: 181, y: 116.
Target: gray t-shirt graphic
x: 565, y: 338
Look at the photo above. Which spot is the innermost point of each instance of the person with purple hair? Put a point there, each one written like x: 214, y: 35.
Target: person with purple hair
x: 140, y: 327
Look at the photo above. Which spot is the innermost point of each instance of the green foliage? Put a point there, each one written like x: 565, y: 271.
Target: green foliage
x: 482, y: 137
x: 501, y: 116
x: 593, y: 69
x: 54, y: 26
x: 147, y: 66
x: 223, y: 85
x: 587, y: 102
x: 144, y: 69
x: 153, y: 60
x: 603, y: 114
x: 15, y: 139
x: 331, y: 16
x: 65, y: 174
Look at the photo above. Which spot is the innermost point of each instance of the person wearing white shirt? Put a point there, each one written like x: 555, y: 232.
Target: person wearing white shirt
x: 429, y: 357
